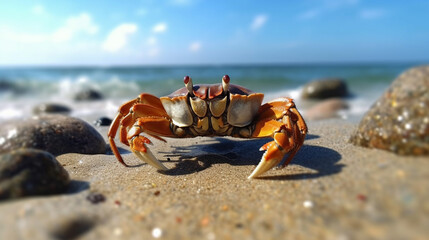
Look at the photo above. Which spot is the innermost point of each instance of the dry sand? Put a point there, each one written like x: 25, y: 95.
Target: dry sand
x: 332, y: 190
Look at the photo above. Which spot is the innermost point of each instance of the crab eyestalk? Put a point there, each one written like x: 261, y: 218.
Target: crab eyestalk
x: 189, y: 85
x: 225, y: 83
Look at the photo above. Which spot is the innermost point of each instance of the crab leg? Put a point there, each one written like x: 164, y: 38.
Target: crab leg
x: 144, y: 105
x: 123, y: 110
x: 284, y: 124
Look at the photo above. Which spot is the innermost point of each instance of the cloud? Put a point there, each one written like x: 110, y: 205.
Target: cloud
x: 74, y: 25
x: 258, y: 22
x: 81, y: 24
x: 39, y: 10
x: 159, y: 28
x: 195, y: 46
x: 369, y: 14
x: 118, y: 37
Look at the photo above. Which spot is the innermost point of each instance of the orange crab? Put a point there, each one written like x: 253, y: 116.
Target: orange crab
x: 210, y: 110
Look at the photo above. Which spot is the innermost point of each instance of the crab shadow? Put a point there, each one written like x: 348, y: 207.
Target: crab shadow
x: 323, y: 161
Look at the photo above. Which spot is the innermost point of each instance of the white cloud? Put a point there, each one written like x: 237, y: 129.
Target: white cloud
x: 371, y: 13
x: 159, y: 28
x: 39, y: 10
x: 195, y: 46
x: 258, y: 22
x: 74, y: 25
x: 118, y: 37
x: 8, y: 34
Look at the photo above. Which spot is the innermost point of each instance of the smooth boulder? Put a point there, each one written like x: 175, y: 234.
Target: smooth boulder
x: 88, y: 95
x: 55, y: 133
x: 47, y: 108
x: 29, y: 172
x: 399, y: 120
x: 325, y: 88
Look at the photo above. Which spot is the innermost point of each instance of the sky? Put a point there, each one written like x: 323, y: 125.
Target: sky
x: 180, y: 32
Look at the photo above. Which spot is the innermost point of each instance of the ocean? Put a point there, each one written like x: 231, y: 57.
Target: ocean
x: 22, y: 88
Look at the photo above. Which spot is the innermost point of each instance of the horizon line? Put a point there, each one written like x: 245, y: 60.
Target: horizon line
x: 254, y: 64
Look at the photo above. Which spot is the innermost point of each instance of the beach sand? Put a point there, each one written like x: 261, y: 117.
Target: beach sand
x: 331, y: 190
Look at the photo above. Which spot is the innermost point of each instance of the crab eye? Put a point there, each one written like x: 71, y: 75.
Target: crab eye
x: 186, y: 79
x: 226, y: 78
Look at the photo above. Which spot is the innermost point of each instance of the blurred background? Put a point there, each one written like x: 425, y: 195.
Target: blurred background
x: 91, y: 56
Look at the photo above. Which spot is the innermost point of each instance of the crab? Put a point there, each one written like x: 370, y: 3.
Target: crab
x: 210, y: 110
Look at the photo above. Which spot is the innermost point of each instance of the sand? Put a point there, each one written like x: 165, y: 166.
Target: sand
x: 332, y: 190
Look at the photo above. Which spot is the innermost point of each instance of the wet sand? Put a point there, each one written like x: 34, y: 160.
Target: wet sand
x: 331, y: 190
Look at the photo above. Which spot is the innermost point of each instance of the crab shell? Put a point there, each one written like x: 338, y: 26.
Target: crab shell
x: 206, y: 107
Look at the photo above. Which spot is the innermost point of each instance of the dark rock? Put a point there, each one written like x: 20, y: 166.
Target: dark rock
x: 50, y: 108
x: 55, y: 133
x: 96, y: 198
x: 325, y: 88
x: 29, y: 172
x: 399, y: 120
x: 88, y: 95
x: 103, y: 121
x: 6, y: 85
x: 325, y: 109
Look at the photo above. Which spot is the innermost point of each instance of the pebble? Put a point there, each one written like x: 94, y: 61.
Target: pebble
x: 29, y: 172
x: 397, y: 121
x: 325, y: 88
x: 88, y: 95
x: 103, y: 121
x: 156, y: 232
x: 54, y: 133
x: 307, y: 204
x: 45, y: 108
x: 96, y: 198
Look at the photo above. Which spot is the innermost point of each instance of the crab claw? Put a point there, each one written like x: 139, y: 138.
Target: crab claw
x: 272, y: 157
x: 139, y: 148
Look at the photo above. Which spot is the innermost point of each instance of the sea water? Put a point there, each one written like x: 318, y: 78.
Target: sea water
x: 21, y: 88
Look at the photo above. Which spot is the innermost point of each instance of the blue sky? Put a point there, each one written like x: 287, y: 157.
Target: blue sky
x: 151, y: 32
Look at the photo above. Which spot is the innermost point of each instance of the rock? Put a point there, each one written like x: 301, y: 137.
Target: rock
x: 325, y: 88
x: 50, y: 108
x: 88, y: 95
x: 28, y: 172
x: 6, y: 85
x: 326, y: 109
x: 55, y: 133
x: 399, y: 120
x: 103, y: 121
